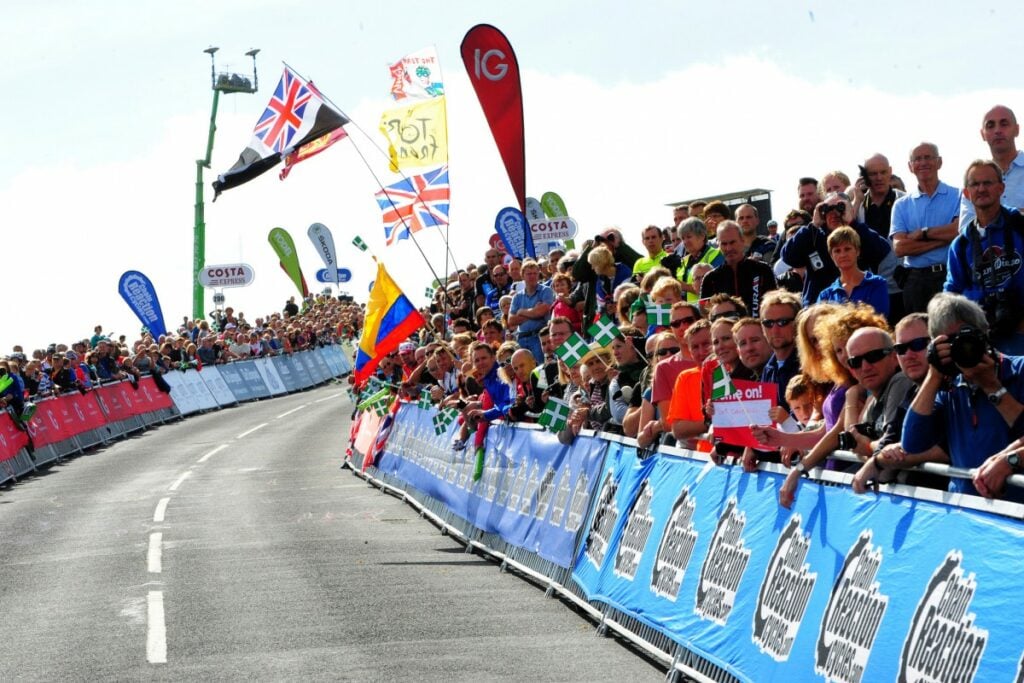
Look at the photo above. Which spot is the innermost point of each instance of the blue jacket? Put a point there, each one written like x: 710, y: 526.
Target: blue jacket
x: 1000, y: 273
x: 808, y: 248
x: 501, y: 392
x: 971, y: 425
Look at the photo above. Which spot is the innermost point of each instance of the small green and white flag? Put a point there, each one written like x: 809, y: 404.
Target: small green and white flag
x: 359, y: 243
x: 443, y: 419
x: 555, y: 416
x: 381, y: 407
x: 429, y: 292
x: 425, y: 401
x: 604, y: 330
x: 659, y: 315
x: 573, y: 350
x: 721, y: 383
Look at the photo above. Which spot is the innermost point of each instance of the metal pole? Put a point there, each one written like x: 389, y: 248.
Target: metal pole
x: 199, y: 233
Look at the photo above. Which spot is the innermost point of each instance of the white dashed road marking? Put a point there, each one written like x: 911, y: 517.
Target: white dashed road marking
x: 216, y: 450
x: 161, y: 510
x: 247, y: 433
x: 293, y: 410
x: 178, y: 482
x: 154, y: 562
x: 156, y: 629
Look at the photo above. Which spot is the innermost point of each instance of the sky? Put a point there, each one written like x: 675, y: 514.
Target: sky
x: 628, y: 107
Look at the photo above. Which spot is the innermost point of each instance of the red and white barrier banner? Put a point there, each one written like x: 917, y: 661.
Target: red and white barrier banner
x: 12, y: 439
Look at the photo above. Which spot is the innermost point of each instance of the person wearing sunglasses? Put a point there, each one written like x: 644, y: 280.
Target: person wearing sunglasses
x: 683, y: 315
x: 911, y: 349
x: 808, y: 248
x: 974, y: 395
x: 651, y: 426
x: 871, y: 357
x: 739, y: 275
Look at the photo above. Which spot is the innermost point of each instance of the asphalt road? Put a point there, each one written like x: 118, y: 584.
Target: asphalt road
x: 231, y: 546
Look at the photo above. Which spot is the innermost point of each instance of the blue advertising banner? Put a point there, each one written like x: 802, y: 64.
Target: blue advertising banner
x: 321, y: 367
x: 236, y: 383
x: 252, y: 378
x: 840, y: 588
x: 328, y: 356
x: 140, y: 295
x: 343, y: 274
x: 514, y: 231
x: 302, y: 377
x: 284, y: 369
x: 534, y: 492
x: 306, y: 360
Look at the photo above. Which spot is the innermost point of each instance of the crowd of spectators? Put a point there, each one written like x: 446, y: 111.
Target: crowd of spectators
x: 886, y: 316
x: 227, y: 336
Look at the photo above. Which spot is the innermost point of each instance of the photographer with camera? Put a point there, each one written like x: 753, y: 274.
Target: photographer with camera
x: 986, y: 258
x: 971, y: 395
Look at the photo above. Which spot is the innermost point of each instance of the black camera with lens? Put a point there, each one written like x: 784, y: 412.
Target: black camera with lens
x: 847, y: 442
x: 967, y: 348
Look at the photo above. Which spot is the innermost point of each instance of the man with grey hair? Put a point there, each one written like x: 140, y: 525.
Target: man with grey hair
x: 972, y: 394
x: 924, y: 222
x: 999, y: 130
x: 986, y: 260
x: 694, y: 248
x: 875, y: 209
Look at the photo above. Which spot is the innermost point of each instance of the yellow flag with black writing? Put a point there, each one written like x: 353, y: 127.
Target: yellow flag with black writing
x: 417, y: 134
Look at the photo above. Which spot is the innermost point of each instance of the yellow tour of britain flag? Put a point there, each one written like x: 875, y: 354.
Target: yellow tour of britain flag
x: 417, y: 134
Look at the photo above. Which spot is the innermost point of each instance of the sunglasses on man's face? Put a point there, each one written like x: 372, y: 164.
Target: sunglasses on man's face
x: 918, y: 344
x: 689, y: 320
x: 781, y: 322
x: 870, y: 357
x: 661, y: 353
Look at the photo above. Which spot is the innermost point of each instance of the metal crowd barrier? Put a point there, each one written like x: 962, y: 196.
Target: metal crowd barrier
x: 190, y: 393
x: 557, y: 580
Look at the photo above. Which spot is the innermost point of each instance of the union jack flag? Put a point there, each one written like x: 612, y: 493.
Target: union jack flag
x: 420, y: 201
x: 284, y: 113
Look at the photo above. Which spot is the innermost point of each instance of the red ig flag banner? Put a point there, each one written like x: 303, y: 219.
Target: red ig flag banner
x: 494, y: 73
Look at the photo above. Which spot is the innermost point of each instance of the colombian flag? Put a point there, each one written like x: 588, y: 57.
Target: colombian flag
x: 390, y: 319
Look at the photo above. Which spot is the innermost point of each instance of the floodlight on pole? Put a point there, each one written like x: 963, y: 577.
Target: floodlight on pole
x: 226, y: 82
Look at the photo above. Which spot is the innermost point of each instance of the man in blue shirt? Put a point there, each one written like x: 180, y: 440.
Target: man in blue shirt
x: 924, y: 222
x: 986, y: 260
x: 976, y: 406
x: 530, y: 308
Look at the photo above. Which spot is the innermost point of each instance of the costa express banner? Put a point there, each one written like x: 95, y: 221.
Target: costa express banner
x: 534, y: 491
x: 12, y: 439
x: 842, y: 588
